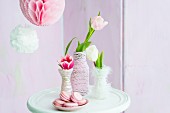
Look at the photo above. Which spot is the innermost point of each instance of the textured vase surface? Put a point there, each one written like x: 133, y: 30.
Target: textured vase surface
x: 66, y: 83
x: 80, y: 74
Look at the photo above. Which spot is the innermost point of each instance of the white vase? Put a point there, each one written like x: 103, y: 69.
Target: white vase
x: 80, y: 75
x: 101, y: 88
x: 66, y: 84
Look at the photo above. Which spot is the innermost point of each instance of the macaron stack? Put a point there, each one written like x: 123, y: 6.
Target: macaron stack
x: 67, y: 100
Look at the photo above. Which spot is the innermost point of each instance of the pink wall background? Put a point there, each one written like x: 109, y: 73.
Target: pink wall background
x: 21, y: 75
x: 146, y: 56
x: 147, y: 62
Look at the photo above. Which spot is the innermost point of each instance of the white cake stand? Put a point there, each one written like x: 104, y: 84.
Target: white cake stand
x: 41, y: 102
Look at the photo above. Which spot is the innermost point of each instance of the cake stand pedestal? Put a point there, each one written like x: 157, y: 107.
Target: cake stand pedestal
x: 41, y: 102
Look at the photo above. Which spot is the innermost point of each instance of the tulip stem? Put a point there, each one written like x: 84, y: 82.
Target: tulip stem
x: 90, y: 33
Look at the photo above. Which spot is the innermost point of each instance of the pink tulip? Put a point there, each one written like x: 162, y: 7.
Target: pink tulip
x: 67, y: 62
x: 42, y: 12
x: 98, y: 23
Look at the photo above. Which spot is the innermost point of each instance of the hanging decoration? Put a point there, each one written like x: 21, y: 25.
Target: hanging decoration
x: 42, y: 12
x: 24, y: 39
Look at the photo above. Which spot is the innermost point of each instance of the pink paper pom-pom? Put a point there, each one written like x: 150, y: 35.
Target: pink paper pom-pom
x: 42, y: 12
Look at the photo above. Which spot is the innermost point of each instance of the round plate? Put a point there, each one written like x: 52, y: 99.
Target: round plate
x: 70, y: 108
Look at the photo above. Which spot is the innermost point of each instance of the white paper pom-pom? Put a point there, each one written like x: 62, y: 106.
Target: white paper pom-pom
x: 24, y: 39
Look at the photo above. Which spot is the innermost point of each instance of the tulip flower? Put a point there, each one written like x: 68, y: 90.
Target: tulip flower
x: 98, y: 23
x: 66, y: 62
x: 92, y: 53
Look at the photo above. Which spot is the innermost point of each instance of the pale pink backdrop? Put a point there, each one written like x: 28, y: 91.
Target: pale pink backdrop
x: 147, y: 56
x: 21, y: 75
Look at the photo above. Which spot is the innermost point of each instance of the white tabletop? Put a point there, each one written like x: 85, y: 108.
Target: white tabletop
x: 41, y: 102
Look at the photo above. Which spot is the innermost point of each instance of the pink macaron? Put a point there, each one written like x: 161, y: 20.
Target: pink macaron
x: 82, y: 102
x: 58, y: 102
x: 75, y: 97
x: 70, y: 104
x: 64, y: 96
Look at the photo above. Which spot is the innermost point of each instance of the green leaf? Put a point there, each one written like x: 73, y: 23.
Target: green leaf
x: 101, y: 59
x: 99, y: 13
x: 88, y: 34
x: 98, y: 61
x: 68, y: 45
x: 82, y: 47
x: 86, y: 45
x: 78, y: 48
x: 78, y: 43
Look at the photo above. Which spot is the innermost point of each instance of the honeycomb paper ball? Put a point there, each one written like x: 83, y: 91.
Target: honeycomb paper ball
x: 42, y: 12
x: 24, y: 39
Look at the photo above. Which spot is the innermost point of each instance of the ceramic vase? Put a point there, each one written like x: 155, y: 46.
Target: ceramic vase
x: 80, y: 75
x: 101, y: 87
x: 66, y: 83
